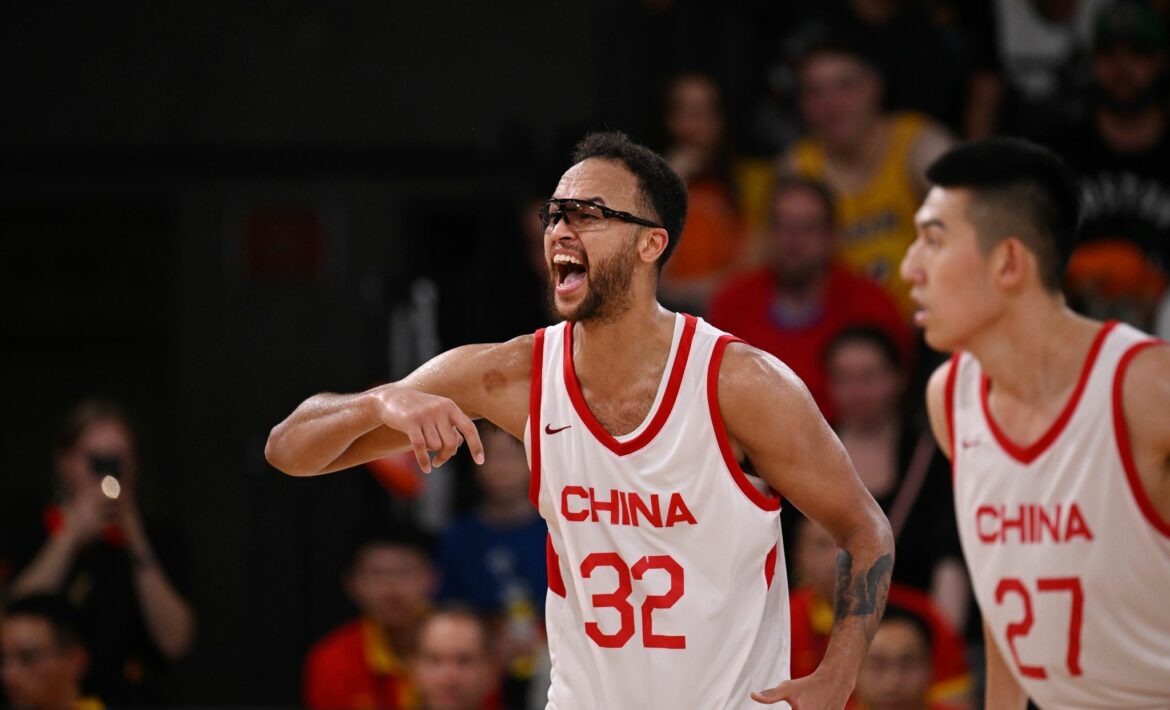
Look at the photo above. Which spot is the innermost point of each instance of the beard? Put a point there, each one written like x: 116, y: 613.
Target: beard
x: 608, y: 293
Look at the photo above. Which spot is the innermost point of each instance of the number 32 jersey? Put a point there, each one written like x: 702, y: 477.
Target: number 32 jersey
x: 1069, y: 560
x: 665, y: 590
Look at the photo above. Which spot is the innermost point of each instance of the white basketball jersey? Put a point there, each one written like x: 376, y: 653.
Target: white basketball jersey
x: 1069, y: 560
x: 665, y: 590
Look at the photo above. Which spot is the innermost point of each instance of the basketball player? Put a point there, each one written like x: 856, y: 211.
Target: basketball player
x: 665, y: 587
x: 1058, y: 429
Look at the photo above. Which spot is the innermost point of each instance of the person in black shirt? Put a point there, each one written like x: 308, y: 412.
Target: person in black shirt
x: 93, y: 549
x: 1121, y: 150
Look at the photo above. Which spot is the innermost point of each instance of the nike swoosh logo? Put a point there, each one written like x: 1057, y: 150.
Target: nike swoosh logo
x: 549, y: 430
x: 969, y: 443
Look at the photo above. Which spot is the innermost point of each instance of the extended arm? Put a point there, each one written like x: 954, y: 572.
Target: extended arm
x: 429, y: 410
x: 769, y: 413
x: 1003, y: 690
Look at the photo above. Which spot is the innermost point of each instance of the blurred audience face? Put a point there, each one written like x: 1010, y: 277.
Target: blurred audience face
x: 839, y: 98
x: 1128, y: 79
x: 38, y: 672
x: 107, y: 439
x: 504, y: 474
x: 453, y: 667
x: 801, y: 238
x: 392, y: 584
x: 815, y: 558
x: 865, y: 386
x: 896, y: 672
x: 693, y: 113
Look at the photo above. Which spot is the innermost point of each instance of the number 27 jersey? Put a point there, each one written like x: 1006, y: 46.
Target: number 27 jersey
x: 1069, y: 561
x: 665, y: 587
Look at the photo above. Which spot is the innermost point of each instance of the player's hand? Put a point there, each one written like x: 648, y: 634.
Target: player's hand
x: 87, y: 513
x: 432, y: 423
x: 813, y: 692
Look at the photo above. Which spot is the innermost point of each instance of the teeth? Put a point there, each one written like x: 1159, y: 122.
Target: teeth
x: 567, y: 259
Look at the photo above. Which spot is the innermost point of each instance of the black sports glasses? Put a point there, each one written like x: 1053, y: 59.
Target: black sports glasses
x: 584, y: 215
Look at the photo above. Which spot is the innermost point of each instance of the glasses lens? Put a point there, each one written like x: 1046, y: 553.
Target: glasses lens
x: 583, y: 216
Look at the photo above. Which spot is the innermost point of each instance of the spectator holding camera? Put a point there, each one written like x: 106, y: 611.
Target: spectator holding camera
x: 94, y: 550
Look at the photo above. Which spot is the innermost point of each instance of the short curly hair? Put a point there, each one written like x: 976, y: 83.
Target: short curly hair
x: 660, y: 189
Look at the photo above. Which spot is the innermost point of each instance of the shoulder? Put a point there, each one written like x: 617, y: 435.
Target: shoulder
x: 1146, y: 387
x: 736, y: 291
x: 936, y: 404
x: 338, y: 644
x: 748, y: 375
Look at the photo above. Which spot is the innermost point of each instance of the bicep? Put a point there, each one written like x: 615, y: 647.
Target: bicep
x: 769, y: 412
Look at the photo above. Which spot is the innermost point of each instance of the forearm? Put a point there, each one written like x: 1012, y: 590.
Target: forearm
x: 320, y: 431
x: 950, y: 590
x: 168, y: 617
x: 46, y: 573
x: 863, y: 583
x: 1002, y: 691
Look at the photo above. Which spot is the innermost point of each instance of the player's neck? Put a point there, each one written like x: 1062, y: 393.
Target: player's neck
x: 623, y: 344
x: 1035, y: 354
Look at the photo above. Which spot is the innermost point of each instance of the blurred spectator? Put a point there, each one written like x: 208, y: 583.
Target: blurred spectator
x: 93, y: 549
x: 42, y: 656
x: 875, y: 162
x: 454, y: 667
x: 896, y: 674
x: 811, y: 605
x: 362, y: 665
x: 900, y: 465
x: 802, y: 299
x: 494, y: 559
x: 712, y: 242
x: 922, y: 67
x: 1122, y: 151
x: 1041, y: 48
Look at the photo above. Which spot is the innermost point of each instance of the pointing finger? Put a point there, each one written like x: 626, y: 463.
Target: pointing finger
x: 419, y: 444
x: 467, y: 428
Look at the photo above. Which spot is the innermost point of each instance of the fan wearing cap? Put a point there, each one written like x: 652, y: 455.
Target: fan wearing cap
x: 1121, y: 150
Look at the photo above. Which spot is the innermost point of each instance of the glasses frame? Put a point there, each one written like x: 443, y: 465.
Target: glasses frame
x: 546, y: 219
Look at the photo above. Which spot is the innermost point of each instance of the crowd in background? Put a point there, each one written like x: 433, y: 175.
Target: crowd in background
x: 797, y: 252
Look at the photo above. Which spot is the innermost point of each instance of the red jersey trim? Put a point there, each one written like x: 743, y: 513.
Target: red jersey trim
x: 1121, y: 433
x: 753, y: 494
x: 552, y: 563
x: 949, y: 406
x: 534, y: 417
x: 769, y: 568
x: 622, y: 448
x: 1028, y: 454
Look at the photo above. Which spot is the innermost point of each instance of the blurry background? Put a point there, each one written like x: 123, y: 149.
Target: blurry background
x: 211, y: 210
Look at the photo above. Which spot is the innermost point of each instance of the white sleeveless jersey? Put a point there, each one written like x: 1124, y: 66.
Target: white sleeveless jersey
x: 665, y: 590
x: 1069, y: 560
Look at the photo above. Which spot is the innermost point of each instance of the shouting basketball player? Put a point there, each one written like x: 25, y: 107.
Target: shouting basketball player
x: 665, y: 587
x: 1058, y: 428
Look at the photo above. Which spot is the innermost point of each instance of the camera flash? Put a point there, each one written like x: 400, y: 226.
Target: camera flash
x: 111, y: 487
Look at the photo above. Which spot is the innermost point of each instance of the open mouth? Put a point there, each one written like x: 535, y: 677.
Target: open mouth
x: 569, y: 272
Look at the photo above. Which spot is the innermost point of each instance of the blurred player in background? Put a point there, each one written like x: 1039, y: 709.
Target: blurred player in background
x: 1058, y: 428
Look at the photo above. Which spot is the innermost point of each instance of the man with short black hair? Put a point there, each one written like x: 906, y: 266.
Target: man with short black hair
x: 1057, y: 429
x: 42, y: 657
x: 665, y: 588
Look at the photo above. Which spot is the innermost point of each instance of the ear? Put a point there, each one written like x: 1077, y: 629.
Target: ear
x: 652, y: 243
x: 78, y: 659
x: 1012, y: 262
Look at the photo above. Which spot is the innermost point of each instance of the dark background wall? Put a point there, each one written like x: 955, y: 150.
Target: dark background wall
x: 211, y: 209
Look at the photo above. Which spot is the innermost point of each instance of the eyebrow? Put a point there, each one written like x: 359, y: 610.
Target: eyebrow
x: 932, y: 222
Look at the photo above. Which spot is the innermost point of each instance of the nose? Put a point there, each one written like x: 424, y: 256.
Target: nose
x: 908, y: 269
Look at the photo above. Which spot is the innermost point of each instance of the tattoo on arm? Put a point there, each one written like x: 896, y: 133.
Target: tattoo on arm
x: 865, y: 594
